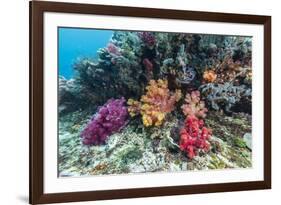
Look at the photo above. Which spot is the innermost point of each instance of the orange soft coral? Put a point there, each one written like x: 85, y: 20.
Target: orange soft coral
x: 209, y: 76
x: 194, y: 106
x: 157, y: 102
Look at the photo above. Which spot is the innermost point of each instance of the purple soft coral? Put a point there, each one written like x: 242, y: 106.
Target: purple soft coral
x: 110, y: 118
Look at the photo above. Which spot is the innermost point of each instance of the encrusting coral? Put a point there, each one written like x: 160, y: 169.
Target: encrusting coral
x: 109, y: 119
x: 156, y: 103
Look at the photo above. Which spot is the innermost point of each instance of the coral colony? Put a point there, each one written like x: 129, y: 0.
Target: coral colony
x: 194, y: 136
x: 158, y: 102
x: 110, y: 118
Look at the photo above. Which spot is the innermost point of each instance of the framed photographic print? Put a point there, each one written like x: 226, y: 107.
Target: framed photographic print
x: 138, y: 102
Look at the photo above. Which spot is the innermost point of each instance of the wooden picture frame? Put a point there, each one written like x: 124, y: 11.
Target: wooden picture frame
x: 37, y: 9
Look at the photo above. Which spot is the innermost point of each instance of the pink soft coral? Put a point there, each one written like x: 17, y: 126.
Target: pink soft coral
x: 194, y: 136
x: 113, y: 49
x: 194, y: 106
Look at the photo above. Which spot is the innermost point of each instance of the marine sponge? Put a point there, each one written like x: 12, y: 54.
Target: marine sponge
x: 194, y: 106
x: 110, y: 118
x: 157, y: 102
x: 194, y: 136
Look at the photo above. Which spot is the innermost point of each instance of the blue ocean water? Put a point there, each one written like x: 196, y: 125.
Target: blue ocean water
x: 79, y: 42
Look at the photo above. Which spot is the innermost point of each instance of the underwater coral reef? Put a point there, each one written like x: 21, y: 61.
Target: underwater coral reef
x: 154, y: 101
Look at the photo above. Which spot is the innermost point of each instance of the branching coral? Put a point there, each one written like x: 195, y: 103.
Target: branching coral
x: 110, y: 118
x: 228, y: 96
x: 187, y: 75
x: 115, y: 71
x: 194, y: 106
x: 194, y: 137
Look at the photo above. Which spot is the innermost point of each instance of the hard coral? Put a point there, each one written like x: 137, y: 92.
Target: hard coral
x: 110, y: 118
x: 194, y: 136
x: 157, y: 102
x: 229, y: 70
x: 194, y: 106
x: 228, y: 97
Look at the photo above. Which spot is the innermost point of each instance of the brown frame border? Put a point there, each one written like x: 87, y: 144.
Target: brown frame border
x: 37, y: 8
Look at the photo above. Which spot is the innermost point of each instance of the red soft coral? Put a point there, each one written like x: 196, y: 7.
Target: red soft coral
x: 194, y: 136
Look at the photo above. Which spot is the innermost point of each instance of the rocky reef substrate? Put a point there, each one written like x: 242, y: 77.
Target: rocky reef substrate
x: 136, y: 149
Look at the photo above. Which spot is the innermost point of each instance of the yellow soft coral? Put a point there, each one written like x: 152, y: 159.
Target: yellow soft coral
x: 157, y: 102
x: 134, y: 107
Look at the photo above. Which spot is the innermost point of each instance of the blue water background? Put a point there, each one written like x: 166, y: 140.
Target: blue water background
x: 77, y: 43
